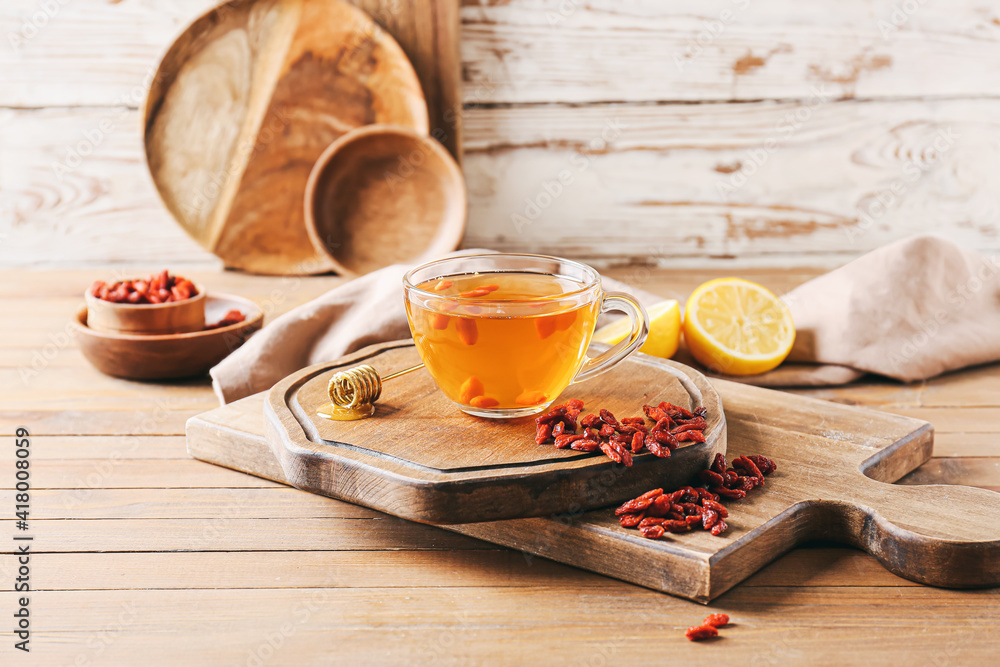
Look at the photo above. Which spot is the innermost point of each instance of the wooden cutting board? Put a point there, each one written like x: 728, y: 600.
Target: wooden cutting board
x: 252, y: 93
x: 834, y: 465
x: 419, y: 457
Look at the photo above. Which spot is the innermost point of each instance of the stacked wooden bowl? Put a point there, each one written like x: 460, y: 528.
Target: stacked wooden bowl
x: 251, y: 132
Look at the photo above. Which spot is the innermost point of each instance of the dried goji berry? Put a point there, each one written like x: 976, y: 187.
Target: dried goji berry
x: 690, y: 436
x: 607, y: 430
x: 591, y: 421
x: 711, y: 478
x: 707, y: 495
x: 709, y: 518
x: 732, y: 494
x: 637, y: 442
x: 720, y: 527
x: 717, y: 507
x: 749, y: 467
x: 660, y: 506
x: 617, y: 453
x: 691, y: 508
x: 585, y: 445
x: 732, y: 478
x: 652, y: 495
x: 701, y: 633
x: 569, y: 419
x: 630, y: 520
x: 766, y: 465
x: 543, y: 433
x: 608, y: 418
x: 676, y: 411
x: 693, y: 425
x: 676, y: 526
x: 719, y: 465
x: 716, y: 620
x: 565, y: 440
x: 665, y: 438
x: 635, y: 505
x: 551, y: 416
x: 651, y: 532
x: 653, y: 445
x: 574, y: 404
x: 689, y: 495
x: 654, y: 413
x: 650, y: 521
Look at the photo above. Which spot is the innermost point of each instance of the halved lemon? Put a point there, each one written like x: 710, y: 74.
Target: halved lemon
x: 737, y: 327
x: 664, y: 330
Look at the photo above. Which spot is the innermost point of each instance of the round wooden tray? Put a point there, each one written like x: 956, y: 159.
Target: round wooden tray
x: 246, y: 100
x: 421, y: 458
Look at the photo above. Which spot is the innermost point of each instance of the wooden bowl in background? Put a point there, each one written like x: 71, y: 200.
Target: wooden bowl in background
x: 243, y: 103
x: 382, y: 195
x: 147, y: 318
x: 169, y: 356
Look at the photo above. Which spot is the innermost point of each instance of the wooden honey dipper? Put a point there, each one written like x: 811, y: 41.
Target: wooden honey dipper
x: 353, y: 392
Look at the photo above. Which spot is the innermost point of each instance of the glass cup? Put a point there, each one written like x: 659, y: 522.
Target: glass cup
x: 504, y: 334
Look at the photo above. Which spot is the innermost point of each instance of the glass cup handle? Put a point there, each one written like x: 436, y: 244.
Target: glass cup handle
x: 640, y: 328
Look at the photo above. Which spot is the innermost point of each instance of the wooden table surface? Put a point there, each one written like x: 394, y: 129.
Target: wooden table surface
x: 143, y: 555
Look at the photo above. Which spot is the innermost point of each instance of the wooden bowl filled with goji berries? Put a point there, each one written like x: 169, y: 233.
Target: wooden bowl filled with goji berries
x: 157, y: 305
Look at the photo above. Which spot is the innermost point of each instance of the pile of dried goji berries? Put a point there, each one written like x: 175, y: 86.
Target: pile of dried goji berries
x: 620, y: 439
x: 708, y: 629
x: 746, y: 474
x: 161, y: 288
x: 656, y: 513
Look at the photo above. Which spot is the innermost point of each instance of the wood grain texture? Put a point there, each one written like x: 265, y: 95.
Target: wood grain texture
x: 516, y: 51
x: 418, y: 458
x: 494, y: 625
x: 929, y: 68
x: 395, y: 605
x: 657, y: 176
x: 428, y: 31
x: 834, y: 462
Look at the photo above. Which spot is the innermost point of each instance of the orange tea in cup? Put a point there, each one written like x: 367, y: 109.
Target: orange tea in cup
x: 504, y: 335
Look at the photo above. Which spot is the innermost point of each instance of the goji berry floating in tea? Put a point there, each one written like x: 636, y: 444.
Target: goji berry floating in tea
x: 621, y: 439
x: 481, y: 325
x: 161, y: 288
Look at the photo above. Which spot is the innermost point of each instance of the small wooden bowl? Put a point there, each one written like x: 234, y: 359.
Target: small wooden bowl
x: 172, y: 356
x: 382, y: 195
x: 147, y: 318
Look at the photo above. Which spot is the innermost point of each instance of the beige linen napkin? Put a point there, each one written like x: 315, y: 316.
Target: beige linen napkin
x: 911, y: 310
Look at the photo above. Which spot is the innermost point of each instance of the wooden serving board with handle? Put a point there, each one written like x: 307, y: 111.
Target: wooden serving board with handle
x: 835, y: 468
x: 419, y: 457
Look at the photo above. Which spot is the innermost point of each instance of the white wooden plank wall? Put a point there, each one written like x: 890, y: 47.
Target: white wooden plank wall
x: 767, y: 132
